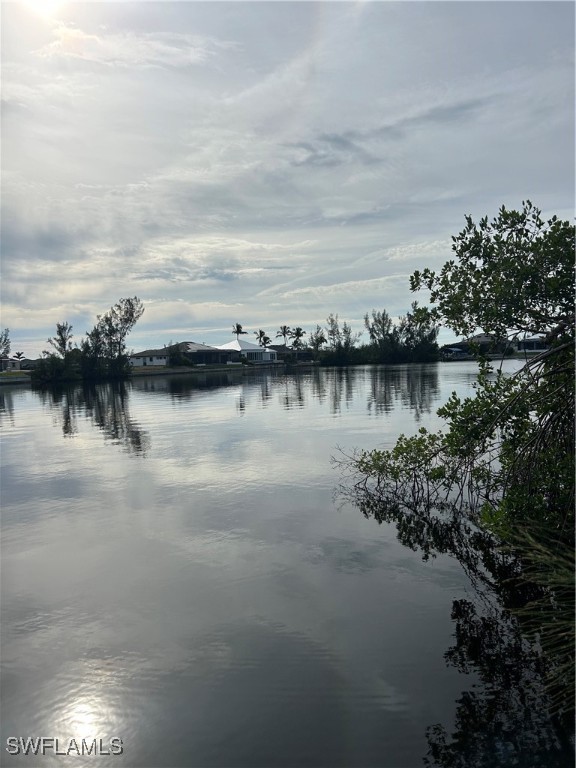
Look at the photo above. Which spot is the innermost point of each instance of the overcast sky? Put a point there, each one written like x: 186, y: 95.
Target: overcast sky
x: 265, y: 163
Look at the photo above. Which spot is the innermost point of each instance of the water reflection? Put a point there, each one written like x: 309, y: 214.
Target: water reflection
x: 106, y: 406
x: 6, y: 405
x: 416, y: 386
x: 505, y: 721
x: 508, y: 720
x: 204, y: 603
x: 185, y: 387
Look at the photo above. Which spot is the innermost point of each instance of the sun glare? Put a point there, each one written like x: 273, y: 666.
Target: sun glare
x: 45, y: 8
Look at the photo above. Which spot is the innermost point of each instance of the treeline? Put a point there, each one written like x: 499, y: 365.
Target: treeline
x: 101, y: 354
x: 412, y: 339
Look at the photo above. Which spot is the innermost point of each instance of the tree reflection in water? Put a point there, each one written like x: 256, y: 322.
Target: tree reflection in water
x: 106, y: 406
x: 416, y: 386
x: 507, y: 719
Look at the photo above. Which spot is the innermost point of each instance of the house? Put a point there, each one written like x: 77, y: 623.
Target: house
x: 292, y: 353
x: 150, y: 357
x: 10, y: 364
x: 184, y: 353
x: 532, y: 345
x: 251, y: 352
x: 454, y: 353
x: 482, y: 343
x: 195, y: 353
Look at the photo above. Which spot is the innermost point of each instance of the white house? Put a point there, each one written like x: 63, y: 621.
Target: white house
x: 252, y: 352
x: 149, y: 357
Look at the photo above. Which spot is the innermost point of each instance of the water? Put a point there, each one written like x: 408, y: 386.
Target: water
x: 176, y: 573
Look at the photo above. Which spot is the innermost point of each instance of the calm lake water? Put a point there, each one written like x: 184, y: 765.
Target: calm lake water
x: 176, y: 573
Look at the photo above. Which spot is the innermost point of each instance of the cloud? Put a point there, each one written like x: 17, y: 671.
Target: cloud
x: 129, y: 48
x: 267, y: 164
x: 342, y: 290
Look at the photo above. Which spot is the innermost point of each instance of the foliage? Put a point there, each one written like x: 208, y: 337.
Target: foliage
x: 262, y: 338
x: 102, y: 353
x: 504, y: 464
x: 297, y: 334
x: 104, y: 349
x: 413, y: 339
x: 5, y: 342
x: 237, y: 330
x: 177, y: 357
x: 316, y: 340
x: 519, y: 249
x: 284, y: 332
x: 341, y: 340
x: 62, y: 342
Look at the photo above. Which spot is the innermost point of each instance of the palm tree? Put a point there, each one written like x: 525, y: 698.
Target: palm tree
x: 263, y: 339
x: 19, y: 356
x: 237, y: 329
x: 297, y: 335
x: 285, y: 332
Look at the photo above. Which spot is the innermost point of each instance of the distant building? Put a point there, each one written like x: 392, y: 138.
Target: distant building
x: 481, y: 343
x: 149, y: 357
x: 183, y: 353
x: 10, y: 364
x: 290, y: 353
x: 251, y: 352
x: 203, y: 354
x: 532, y: 345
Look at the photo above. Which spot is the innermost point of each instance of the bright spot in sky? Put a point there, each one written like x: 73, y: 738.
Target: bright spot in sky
x: 44, y: 8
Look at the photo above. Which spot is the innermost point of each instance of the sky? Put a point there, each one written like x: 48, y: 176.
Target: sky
x: 265, y: 163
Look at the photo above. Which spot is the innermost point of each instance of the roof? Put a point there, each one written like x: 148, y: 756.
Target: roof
x: 194, y: 346
x: 240, y: 344
x: 183, y: 346
x: 151, y: 353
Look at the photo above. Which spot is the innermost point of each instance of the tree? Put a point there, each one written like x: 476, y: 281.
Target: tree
x: 5, y: 342
x: 510, y: 447
x: 505, y: 460
x: 238, y: 331
x: 19, y: 355
x: 104, y: 349
x: 333, y: 332
x: 297, y: 335
x: 117, y: 323
x: 379, y: 327
x: 317, y: 339
x: 349, y: 339
x: 417, y: 334
x: 516, y: 249
x: 262, y: 338
x: 284, y: 332
x: 341, y: 340
x: 62, y: 342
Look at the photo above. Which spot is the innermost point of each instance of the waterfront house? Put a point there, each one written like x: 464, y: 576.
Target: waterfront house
x: 251, y: 352
x: 291, y: 354
x: 532, y: 345
x: 184, y: 353
x: 150, y: 357
x: 10, y: 364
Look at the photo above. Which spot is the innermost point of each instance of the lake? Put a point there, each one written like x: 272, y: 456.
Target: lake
x: 177, y: 573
